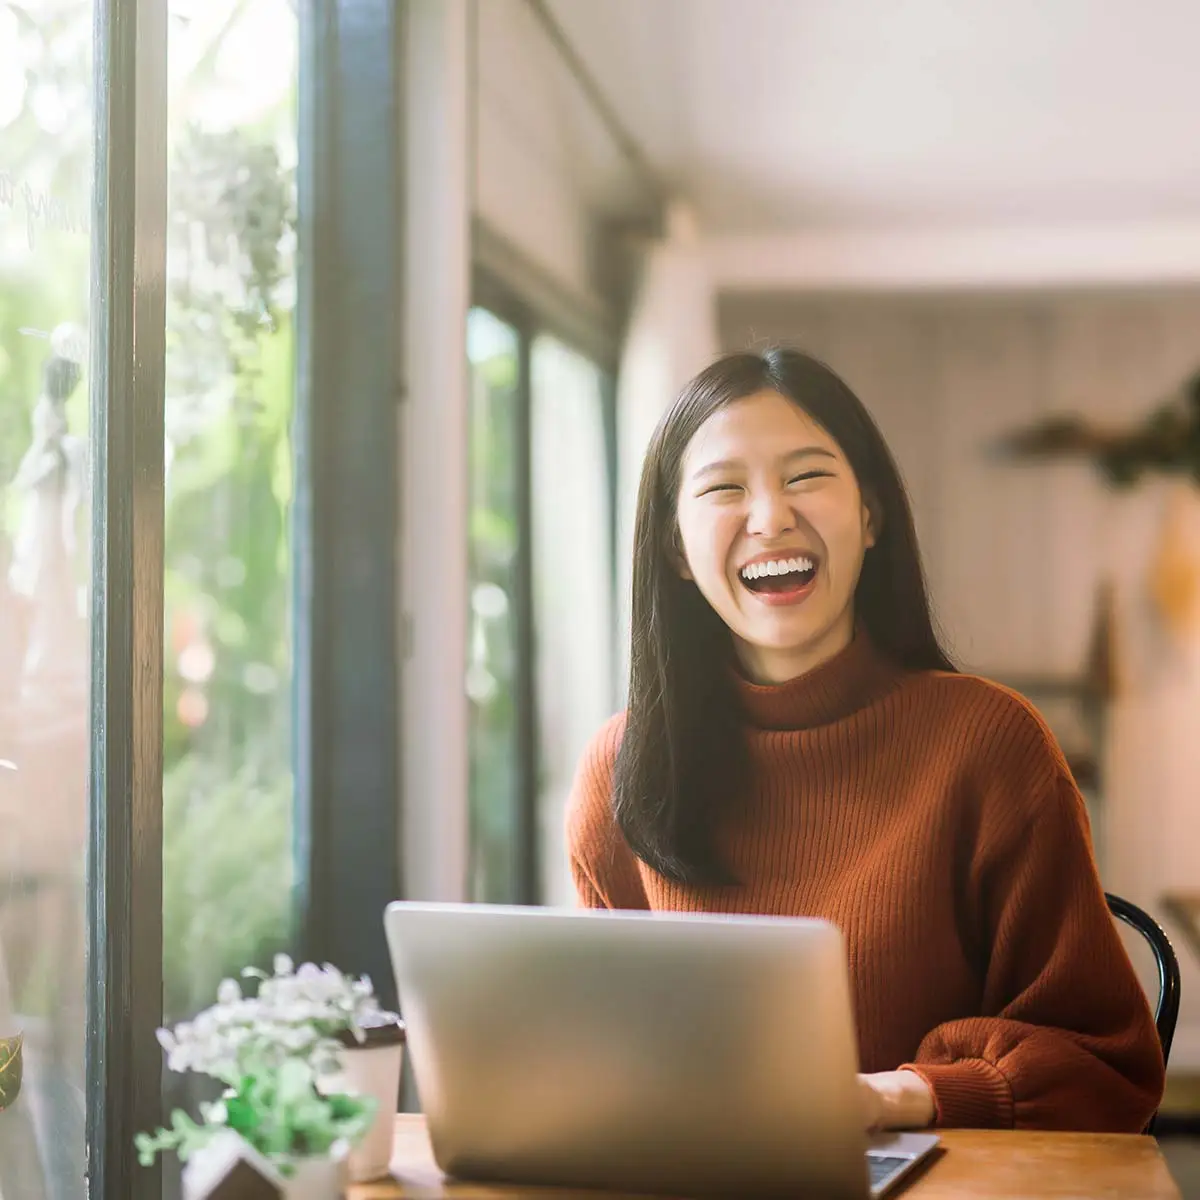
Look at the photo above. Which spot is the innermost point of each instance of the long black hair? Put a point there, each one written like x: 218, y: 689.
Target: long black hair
x: 682, y: 759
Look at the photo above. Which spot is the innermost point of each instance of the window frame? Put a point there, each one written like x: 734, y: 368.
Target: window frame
x: 347, y: 805
x: 516, y: 292
x: 346, y: 518
x: 123, y: 973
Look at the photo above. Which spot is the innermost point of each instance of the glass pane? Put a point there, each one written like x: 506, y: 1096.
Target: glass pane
x: 227, y: 724
x: 572, y: 584
x: 46, y: 139
x: 492, y: 350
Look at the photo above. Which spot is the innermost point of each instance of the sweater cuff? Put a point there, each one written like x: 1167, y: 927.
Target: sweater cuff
x: 968, y: 1094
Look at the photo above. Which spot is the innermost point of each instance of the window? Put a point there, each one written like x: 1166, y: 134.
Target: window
x: 495, y: 652
x: 46, y: 157
x: 227, y: 728
x: 540, y: 675
x: 227, y: 679
x: 197, y: 524
x: 573, y: 584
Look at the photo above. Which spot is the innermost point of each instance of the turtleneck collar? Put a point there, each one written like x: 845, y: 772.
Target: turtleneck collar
x: 849, y: 681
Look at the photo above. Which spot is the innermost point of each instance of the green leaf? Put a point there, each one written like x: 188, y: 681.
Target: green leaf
x: 295, y: 1081
x: 11, y: 1069
x: 343, y: 1107
x: 241, y: 1116
x: 181, y: 1123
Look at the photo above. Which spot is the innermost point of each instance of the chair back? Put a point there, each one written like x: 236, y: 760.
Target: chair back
x: 1166, y: 1011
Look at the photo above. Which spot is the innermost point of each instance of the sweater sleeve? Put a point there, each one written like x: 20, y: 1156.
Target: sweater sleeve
x: 1070, y: 1041
x: 604, y: 869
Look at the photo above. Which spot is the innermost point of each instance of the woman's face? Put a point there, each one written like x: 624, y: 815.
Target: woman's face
x: 773, y: 530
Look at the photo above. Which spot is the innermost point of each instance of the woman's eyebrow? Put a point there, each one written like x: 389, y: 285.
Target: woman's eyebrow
x: 733, y: 464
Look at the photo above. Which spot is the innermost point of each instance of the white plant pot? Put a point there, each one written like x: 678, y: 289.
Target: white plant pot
x: 373, y: 1070
x: 317, y: 1179
x: 228, y: 1156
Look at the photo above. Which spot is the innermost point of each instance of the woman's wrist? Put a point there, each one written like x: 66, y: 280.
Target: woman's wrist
x: 897, y: 1100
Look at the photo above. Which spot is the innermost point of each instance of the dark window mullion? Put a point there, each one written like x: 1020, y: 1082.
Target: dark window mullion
x: 611, y: 445
x: 527, y: 849
x: 346, y: 519
x: 124, y: 854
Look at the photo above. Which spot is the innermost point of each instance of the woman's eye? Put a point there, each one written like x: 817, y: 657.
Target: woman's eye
x: 721, y: 487
x: 807, y: 475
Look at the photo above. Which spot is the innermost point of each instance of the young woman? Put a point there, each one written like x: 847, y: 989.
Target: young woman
x: 797, y: 743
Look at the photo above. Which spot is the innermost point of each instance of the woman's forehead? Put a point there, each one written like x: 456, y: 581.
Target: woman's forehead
x: 764, y: 425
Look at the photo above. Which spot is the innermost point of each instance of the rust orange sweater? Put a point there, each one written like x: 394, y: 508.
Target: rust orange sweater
x: 931, y: 817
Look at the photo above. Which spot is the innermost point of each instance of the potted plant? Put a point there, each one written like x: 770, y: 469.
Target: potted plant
x: 279, y: 1056
x: 372, y: 1041
x: 372, y: 1058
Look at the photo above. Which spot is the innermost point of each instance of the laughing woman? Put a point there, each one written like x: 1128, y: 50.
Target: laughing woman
x: 797, y: 743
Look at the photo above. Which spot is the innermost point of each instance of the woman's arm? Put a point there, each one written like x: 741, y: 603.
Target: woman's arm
x: 1067, y: 1040
x: 896, y: 1100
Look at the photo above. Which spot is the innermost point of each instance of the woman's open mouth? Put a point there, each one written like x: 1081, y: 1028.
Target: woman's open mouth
x: 780, y: 580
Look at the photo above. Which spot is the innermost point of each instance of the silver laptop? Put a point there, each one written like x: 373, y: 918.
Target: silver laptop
x: 652, y: 1052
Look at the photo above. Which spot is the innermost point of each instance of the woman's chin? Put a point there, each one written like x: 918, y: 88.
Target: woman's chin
x: 776, y: 651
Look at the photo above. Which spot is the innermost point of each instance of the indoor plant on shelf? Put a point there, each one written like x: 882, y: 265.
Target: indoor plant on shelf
x: 287, y: 1108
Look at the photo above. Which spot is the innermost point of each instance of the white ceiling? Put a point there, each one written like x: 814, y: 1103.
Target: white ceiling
x: 779, y: 115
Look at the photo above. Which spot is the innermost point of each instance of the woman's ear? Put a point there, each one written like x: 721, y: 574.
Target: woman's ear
x: 872, y: 519
x: 677, y: 557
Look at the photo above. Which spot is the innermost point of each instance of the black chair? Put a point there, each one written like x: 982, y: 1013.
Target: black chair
x: 1166, y: 1011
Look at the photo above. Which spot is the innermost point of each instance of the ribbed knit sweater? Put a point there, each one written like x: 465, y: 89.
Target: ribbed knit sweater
x: 933, y: 819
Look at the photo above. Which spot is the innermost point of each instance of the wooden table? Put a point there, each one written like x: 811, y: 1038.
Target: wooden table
x: 973, y: 1165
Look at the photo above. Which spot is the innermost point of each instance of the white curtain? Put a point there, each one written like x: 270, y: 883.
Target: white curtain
x: 672, y: 335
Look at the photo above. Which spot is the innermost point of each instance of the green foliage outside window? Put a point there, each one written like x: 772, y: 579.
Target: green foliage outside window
x: 227, y: 778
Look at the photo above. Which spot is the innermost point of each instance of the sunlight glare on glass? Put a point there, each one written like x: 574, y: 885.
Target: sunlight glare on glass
x: 197, y: 662
x: 254, y: 66
x: 12, y: 68
x: 489, y: 601
x: 488, y: 337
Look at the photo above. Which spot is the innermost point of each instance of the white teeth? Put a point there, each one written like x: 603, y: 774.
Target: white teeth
x: 780, y: 566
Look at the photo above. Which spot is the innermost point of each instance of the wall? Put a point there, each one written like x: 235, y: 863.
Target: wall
x: 1015, y: 553
x: 530, y: 143
x: 498, y: 151
x: 433, y: 454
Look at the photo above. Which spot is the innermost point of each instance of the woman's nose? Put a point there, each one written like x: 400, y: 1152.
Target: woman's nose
x: 770, y: 514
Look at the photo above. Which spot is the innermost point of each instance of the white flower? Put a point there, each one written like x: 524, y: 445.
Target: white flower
x: 294, y: 1018
x: 205, y: 1025
x: 215, y: 1113
x: 298, y: 1039
x: 179, y: 1060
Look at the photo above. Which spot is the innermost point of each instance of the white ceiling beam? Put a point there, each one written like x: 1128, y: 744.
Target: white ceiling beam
x: 992, y: 257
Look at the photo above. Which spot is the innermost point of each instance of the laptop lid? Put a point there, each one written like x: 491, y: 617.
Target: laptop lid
x: 639, y: 1051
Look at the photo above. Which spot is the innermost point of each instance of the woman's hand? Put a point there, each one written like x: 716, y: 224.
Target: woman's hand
x: 896, y: 1100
